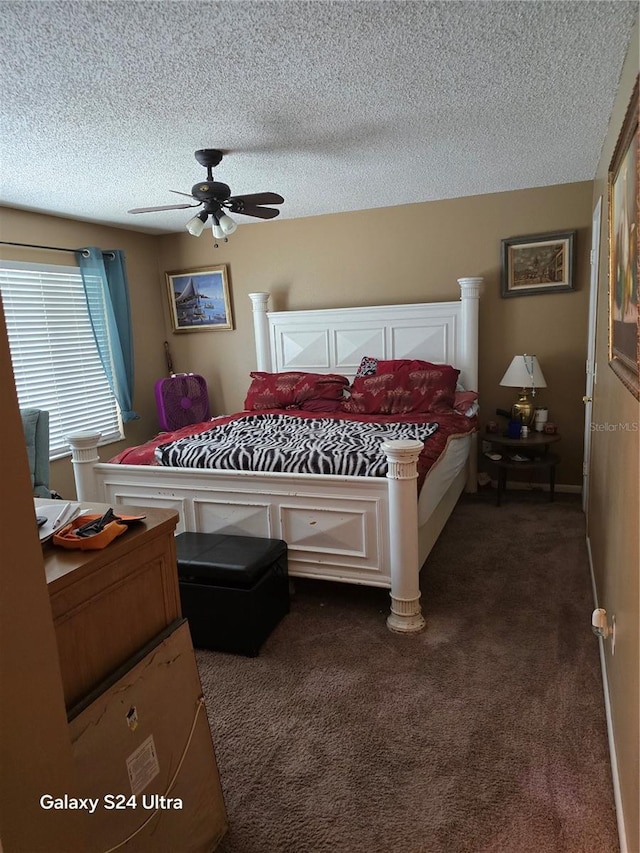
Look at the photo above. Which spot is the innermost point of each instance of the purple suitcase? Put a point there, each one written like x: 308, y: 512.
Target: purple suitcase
x: 182, y: 399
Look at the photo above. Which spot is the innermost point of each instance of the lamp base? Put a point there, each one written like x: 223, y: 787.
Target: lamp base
x: 523, y: 409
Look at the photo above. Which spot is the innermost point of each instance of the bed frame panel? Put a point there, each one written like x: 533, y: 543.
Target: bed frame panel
x: 351, y: 529
x: 332, y: 340
x: 331, y: 532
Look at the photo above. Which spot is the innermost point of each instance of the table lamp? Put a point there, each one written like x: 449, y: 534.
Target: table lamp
x: 524, y: 372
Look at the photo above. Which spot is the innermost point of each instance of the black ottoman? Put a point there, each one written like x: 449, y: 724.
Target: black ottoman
x: 234, y: 589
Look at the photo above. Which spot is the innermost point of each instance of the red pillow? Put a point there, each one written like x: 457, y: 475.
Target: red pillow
x: 464, y: 400
x: 321, y: 405
x: 406, y: 385
x: 294, y: 390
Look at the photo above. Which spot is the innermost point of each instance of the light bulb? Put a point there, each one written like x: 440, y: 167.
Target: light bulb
x: 218, y: 233
x: 195, y: 226
x: 227, y: 224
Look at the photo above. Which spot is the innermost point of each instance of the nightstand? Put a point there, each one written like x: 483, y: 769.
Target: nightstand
x: 535, y: 452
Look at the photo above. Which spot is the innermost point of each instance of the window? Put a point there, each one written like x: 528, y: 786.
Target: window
x: 54, y: 354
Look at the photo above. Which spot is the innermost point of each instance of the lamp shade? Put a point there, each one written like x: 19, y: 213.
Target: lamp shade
x: 195, y: 226
x: 524, y: 372
x: 227, y: 224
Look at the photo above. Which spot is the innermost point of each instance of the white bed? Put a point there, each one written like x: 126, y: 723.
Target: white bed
x: 362, y: 530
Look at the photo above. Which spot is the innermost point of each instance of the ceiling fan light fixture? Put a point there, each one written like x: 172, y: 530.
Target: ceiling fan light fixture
x: 195, y: 226
x: 218, y: 233
x: 227, y: 224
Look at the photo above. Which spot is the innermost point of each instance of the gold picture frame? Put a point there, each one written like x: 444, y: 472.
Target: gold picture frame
x: 624, y: 320
x: 538, y: 263
x: 199, y: 299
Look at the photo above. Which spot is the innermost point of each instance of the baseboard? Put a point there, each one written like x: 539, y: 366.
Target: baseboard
x: 617, y: 795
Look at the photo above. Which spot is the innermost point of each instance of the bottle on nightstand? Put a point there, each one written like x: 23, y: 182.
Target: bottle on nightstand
x: 540, y: 418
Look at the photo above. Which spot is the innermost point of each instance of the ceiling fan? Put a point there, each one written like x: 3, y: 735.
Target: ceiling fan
x: 214, y: 197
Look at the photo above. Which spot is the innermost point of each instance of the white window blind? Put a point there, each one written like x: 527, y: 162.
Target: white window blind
x: 55, y: 359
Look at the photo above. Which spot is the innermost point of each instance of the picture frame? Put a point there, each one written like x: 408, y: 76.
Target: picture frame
x: 538, y: 263
x: 624, y: 329
x: 199, y: 299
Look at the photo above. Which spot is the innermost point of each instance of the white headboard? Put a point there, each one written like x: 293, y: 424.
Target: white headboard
x: 334, y: 340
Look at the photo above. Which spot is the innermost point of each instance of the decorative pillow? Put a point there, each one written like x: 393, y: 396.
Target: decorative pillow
x: 367, y: 367
x: 465, y: 403
x: 370, y: 365
x: 294, y: 390
x: 404, y: 385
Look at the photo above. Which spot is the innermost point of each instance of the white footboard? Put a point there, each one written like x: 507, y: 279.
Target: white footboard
x: 360, y: 530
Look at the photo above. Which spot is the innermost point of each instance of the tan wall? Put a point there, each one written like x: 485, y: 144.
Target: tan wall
x: 409, y: 253
x: 146, y: 306
x: 614, y: 510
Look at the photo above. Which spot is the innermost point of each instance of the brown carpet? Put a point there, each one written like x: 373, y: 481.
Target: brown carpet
x: 486, y: 732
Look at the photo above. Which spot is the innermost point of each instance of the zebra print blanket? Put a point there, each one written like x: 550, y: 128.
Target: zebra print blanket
x: 291, y: 444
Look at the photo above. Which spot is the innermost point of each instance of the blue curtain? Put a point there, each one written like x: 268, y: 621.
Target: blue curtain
x: 105, y: 285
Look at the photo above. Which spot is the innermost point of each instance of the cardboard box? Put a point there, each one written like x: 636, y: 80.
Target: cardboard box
x: 144, y: 757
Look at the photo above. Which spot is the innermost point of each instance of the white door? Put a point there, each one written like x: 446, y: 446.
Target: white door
x: 591, y: 350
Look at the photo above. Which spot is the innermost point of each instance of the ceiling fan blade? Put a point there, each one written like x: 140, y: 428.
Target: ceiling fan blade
x: 258, y: 198
x: 177, y: 192
x: 254, y: 210
x: 164, y: 207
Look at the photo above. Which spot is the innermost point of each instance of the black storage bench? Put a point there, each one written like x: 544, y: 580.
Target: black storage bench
x: 234, y: 589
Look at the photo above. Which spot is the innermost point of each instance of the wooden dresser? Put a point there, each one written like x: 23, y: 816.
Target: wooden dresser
x: 137, y: 724
x: 108, y: 604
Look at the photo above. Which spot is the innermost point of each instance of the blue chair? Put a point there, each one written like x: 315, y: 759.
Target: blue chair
x: 35, y: 423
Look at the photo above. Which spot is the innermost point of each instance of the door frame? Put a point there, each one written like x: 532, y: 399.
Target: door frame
x: 590, y: 366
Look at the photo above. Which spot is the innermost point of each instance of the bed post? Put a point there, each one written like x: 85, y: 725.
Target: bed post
x: 469, y: 315
x: 261, y: 329
x: 84, y: 455
x: 406, y: 615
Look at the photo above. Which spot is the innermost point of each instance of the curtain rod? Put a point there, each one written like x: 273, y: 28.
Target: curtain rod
x: 85, y: 252
x: 50, y: 248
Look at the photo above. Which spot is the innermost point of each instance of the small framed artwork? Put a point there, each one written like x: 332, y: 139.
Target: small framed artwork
x: 538, y: 263
x: 624, y: 335
x: 199, y: 299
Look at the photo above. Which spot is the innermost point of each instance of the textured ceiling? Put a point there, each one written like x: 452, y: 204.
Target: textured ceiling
x: 335, y: 105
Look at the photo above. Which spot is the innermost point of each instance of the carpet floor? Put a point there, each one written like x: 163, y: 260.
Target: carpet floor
x: 485, y: 732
